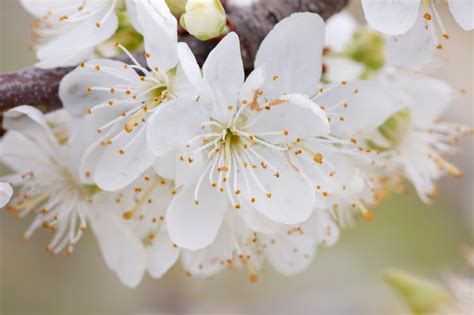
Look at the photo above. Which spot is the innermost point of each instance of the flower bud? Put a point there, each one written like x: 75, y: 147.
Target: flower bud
x: 205, y: 19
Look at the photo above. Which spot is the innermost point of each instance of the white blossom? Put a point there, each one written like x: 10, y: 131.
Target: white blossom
x: 66, y: 32
x: 231, y: 146
x: 413, y: 140
x: 45, y: 178
x: 115, y: 103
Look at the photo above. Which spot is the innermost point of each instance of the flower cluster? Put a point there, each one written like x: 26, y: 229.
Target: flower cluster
x: 169, y: 160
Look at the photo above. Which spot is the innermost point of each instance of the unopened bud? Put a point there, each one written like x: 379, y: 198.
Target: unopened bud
x: 205, y: 19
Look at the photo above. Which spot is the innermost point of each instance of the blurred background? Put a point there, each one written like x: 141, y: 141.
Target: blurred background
x: 345, y: 279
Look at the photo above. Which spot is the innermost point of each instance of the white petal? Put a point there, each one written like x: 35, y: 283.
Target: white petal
x: 294, y: 116
x: 463, y: 12
x: 165, y: 165
x: 40, y: 8
x: 413, y: 49
x: 23, y: 154
x: 208, y: 261
x: 339, y: 30
x: 391, y: 17
x: 321, y: 227
x: 161, y: 255
x: 292, y: 197
x: 6, y: 193
x: 257, y: 222
x: 369, y: 105
x: 122, y: 251
x: 194, y: 226
x: 223, y: 73
x: 173, y: 125
x: 159, y: 28
x: 292, y: 54
x: 290, y: 253
x: 342, y: 69
x: 252, y: 85
x: 73, y: 90
x: 430, y: 97
x: 188, y: 74
x: 28, y: 119
x: 67, y: 50
x: 116, y: 170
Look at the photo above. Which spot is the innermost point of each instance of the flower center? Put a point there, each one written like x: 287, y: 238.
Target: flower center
x: 44, y: 195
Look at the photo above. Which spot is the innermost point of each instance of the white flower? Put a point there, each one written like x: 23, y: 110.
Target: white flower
x: 415, y: 26
x: 44, y: 178
x: 67, y: 31
x: 231, y: 146
x: 205, y: 19
x: 132, y: 231
x: 413, y: 140
x: 289, y: 251
x: 117, y: 103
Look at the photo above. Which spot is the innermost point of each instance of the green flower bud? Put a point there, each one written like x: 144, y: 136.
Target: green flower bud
x: 205, y: 19
x: 422, y: 296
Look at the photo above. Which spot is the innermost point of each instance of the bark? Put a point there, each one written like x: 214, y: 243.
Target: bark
x: 39, y: 87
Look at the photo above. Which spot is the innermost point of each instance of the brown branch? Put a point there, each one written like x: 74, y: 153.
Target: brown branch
x: 39, y: 88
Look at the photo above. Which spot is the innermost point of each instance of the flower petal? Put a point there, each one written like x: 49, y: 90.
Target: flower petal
x: 6, y: 193
x: 322, y: 227
x: 159, y: 28
x: 123, y: 161
x: 391, y: 17
x: 296, y: 116
x: 188, y: 74
x: 289, y: 253
x: 161, y: 255
x: 367, y: 106
x: 293, y: 65
x: 74, y: 89
x: 463, y: 13
x: 413, y: 49
x: 339, y: 30
x: 207, y: 262
x: 257, y: 222
x: 66, y: 50
x: 223, y: 73
x: 173, y: 125
x: 29, y: 120
x: 121, y: 249
x: 430, y: 97
x: 194, y: 226
x: 286, y: 198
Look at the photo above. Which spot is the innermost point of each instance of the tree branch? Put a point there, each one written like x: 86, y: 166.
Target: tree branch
x: 39, y: 87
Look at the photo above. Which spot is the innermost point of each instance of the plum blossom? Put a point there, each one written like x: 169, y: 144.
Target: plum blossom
x: 45, y: 179
x: 60, y: 23
x: 114, y: 102
x: 413, y: 140
x: 230, y: 147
